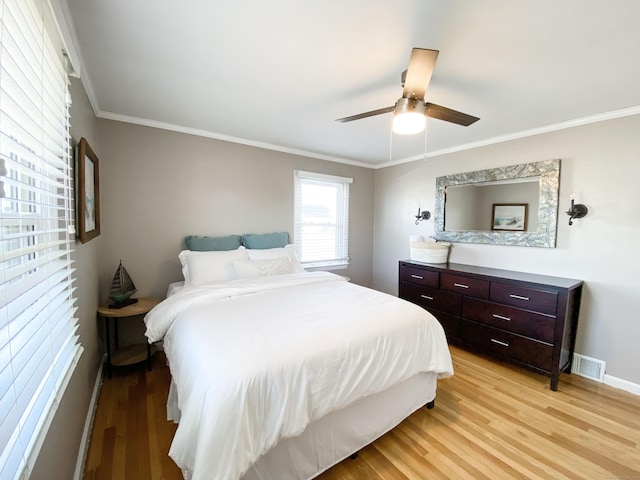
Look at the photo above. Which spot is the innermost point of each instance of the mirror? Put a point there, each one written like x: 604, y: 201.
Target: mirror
x: 514, y: 205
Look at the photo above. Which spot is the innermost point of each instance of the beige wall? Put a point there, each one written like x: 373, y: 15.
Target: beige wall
x: 58, y: 455
x: 600, y: 165
x: 158, y: 186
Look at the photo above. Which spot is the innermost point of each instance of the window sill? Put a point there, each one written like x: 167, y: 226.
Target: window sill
x: 316, y: 268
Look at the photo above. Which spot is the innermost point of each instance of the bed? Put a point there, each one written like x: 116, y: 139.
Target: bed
x: 282, y: 373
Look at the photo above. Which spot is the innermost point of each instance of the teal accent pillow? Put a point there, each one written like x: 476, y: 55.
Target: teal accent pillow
x: 266, y: 240
x: 210, y: 244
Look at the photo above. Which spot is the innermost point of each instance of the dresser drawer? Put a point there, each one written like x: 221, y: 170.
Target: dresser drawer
x: 431, y: 299
x: 543, y: 301
x: 465, y: 285
x: 419, y: 276
x: 508, y: 345
x: 530, y: 324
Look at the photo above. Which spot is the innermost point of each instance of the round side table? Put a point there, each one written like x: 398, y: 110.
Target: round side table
x: 133, y: 353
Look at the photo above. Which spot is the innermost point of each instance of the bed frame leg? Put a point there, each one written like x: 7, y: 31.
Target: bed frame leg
x: 431, y: 404
x: 353, y: 456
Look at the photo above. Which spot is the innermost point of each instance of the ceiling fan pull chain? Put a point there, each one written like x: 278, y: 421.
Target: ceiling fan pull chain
x: 390, y: 144
x: 426, y: 130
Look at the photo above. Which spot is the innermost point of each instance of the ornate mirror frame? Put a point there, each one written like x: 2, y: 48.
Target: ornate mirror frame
x: 549, y: 173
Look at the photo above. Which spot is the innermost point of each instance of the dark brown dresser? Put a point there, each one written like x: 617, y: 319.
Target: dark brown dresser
x: 527, y: 319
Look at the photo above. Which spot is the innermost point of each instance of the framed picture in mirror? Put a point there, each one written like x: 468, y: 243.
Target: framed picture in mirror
x: 509, y: 216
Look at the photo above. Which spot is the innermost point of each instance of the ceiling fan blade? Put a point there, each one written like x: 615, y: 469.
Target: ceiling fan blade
x: 380, y: 111
x: 443, y: 113
x: 419, y: 72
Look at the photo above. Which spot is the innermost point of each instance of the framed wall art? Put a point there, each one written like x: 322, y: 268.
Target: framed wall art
x: 510, y: 217
x: 88, y: 188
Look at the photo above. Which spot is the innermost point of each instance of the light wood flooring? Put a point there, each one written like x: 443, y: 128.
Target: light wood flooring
x: 491, y: 421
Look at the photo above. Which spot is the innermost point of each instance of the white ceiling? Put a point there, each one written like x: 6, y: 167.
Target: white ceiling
x: 277, y: 73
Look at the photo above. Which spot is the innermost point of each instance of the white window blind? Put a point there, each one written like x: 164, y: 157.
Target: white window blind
x: 38, y: 342
x: 321, y: 219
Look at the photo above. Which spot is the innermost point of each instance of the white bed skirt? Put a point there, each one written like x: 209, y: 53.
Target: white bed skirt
x: 334, y: 437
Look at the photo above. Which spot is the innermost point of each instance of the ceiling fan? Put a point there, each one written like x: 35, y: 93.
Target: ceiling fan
x: 410, y: 111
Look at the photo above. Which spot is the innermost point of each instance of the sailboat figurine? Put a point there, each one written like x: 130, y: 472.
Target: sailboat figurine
x: 122, y: 288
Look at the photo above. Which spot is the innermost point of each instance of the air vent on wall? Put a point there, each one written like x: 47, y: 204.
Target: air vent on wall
x: 588, y: 367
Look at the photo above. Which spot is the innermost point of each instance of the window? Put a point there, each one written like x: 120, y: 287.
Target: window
x: 321, y: 219
x: 38, y: 344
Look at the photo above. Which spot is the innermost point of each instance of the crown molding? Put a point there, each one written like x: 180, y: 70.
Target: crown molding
x: 227, y: 138
x: 600, y: 117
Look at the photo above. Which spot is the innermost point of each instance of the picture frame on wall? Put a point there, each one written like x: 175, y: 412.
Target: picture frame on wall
x: 88, y: 188
x: 510, y: 217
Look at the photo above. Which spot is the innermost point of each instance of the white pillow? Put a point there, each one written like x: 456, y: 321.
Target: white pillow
x: 200, y: 268
x: 268, y: 253
x: 262, y: 268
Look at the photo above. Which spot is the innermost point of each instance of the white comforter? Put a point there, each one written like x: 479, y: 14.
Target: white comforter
x: 257, y: 360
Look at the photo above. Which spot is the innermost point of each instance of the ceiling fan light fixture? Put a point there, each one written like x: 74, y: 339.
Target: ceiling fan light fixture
x: 409, y: 116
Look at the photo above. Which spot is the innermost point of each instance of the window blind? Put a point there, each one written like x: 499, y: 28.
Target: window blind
x: 38, y: 343
x: 321, y: 219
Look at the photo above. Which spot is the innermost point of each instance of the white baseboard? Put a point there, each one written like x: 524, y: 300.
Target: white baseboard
x: 622, y: 384
x: 88, y: 424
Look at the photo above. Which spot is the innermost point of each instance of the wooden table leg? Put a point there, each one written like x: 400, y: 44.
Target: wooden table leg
x: 108, y: 340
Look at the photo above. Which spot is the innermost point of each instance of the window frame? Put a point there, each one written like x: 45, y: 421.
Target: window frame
x: 340, y: 259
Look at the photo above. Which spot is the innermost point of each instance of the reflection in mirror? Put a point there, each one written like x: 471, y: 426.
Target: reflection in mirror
x: 465, y: 203
x: 470, y: 207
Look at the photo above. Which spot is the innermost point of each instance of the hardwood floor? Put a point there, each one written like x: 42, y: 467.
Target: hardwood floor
x: 131, y: 436
x: 491, y: 421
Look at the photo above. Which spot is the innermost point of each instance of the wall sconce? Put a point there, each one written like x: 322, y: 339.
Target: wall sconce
x: 577, y: 210
x: 422, y: 215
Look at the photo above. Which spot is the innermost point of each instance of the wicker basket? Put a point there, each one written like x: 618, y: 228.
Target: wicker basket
x: 429, y: 252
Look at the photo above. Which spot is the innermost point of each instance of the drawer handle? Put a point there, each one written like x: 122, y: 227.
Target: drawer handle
x: 500, y: 317
x: 461, y: 285
x: 417, y: 276
x: 519, y: 297
x: 426, y: 297
x: 504, y: 344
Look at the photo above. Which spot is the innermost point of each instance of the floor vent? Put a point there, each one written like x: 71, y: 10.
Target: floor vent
x: 588, y: 367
